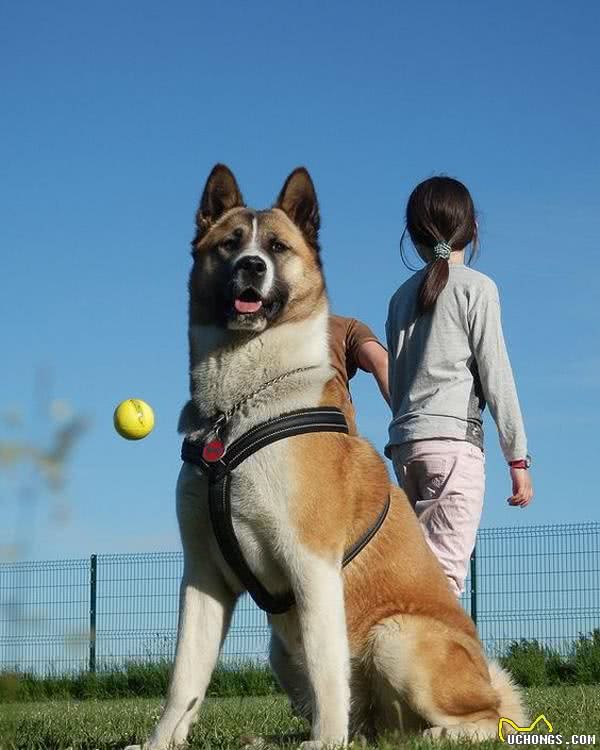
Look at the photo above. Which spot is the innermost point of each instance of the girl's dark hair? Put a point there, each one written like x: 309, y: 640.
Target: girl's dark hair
x: 439, y: 209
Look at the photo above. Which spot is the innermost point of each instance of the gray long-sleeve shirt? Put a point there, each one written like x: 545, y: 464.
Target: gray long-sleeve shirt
x: 447, y: 364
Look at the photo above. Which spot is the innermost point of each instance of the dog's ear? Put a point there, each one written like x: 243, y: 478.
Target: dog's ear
x: 221, y: 193
x: 298, y: 199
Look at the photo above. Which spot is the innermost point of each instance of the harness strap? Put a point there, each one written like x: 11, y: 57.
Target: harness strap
x: 362, y: 542
x: 220, y: 516
x: 319, y: 419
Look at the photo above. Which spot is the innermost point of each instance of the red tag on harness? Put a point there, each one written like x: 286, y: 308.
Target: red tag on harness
x: 213, y: 451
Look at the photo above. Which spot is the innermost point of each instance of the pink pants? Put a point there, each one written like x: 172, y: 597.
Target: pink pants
x: 445, y: 483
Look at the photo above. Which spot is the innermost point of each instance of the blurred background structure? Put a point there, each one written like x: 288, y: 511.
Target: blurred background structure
x: 537, y: 583
x: 37, y: 443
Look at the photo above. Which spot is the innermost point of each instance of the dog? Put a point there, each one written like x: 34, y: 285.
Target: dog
x: 381, y: 645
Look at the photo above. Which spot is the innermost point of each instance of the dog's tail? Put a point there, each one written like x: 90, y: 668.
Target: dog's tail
x: 510, y: 695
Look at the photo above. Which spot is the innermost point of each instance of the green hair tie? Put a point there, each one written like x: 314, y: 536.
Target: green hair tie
x: 442, y: 250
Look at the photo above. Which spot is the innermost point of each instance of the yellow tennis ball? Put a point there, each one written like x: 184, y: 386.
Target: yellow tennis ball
x: 134, y: 419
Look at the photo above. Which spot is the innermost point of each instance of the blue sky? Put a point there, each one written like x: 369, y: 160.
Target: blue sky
x: 113, y: 115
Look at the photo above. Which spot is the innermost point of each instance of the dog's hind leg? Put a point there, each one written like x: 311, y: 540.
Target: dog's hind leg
x: 291, y: 678
x: 442, y: 676
x: 391, y: 712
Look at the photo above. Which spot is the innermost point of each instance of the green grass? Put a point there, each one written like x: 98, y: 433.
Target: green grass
x: 134, y: 679
x: 109, y: 724
x: 531, y: 664
x: 534, y: 665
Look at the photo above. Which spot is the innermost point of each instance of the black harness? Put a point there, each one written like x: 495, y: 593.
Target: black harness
x: 218, y: 471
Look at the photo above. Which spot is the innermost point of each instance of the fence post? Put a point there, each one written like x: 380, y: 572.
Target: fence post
x: 93, y: 579
x: 474, y: 584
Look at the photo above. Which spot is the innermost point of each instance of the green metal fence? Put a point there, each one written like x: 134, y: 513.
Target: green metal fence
x: 535, y: 582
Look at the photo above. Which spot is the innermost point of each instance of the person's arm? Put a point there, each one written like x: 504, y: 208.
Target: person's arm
x: 522, y: 488
x: 373, y: 358
x: 499, y: 390
x: 391, y: 350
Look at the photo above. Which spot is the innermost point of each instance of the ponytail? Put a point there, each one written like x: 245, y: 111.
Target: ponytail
x: 440, y: 218
x: 436, y: 278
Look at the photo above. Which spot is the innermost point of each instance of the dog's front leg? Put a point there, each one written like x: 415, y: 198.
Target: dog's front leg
x: 205, y: 607
x: 320, y: 601
x: 205, y: 612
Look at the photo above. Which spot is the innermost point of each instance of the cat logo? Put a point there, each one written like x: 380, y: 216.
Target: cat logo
x: 541, y: 719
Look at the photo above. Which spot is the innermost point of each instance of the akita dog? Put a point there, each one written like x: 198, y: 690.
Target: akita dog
x: 379, y: 645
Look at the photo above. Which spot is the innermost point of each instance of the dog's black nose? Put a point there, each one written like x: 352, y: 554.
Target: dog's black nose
x: 252, y: 263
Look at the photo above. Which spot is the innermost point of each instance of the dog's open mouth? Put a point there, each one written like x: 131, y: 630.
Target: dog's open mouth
x: 248, y: 302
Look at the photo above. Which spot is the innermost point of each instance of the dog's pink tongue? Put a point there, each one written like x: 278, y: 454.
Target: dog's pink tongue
x: 247, y: 307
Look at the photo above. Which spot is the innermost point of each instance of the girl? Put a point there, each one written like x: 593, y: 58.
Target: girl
x: 447, y: 360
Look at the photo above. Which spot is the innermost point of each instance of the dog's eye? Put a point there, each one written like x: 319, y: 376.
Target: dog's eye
x: 278, y: 247
x: 230, y: 244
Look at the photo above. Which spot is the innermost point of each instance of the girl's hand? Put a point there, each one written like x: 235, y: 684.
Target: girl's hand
x: 522, y: 488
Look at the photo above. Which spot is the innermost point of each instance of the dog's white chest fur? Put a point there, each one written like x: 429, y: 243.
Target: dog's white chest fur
x: 259, y: 493
x: 261, y: 487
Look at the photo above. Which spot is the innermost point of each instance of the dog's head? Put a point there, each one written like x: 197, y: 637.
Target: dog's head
x: 255, y: 269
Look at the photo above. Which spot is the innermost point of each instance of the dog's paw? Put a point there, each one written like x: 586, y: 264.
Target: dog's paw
x: 251, y: 742
x: 434, y: 733
x: 312, y: 745
x: 133, y: 747
x: 470, y: 731
x: 462, y: 732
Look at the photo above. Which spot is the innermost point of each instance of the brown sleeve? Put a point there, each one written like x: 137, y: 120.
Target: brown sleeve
x: 357, y: 334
